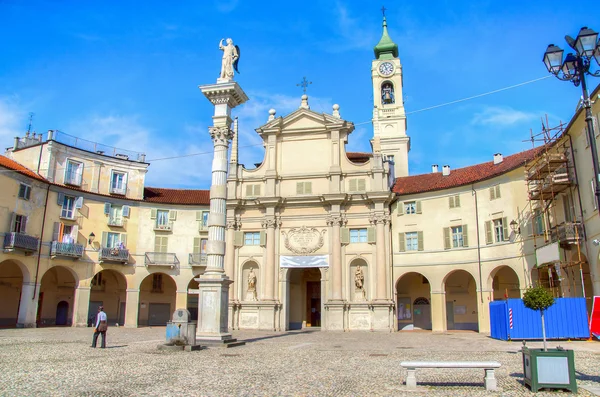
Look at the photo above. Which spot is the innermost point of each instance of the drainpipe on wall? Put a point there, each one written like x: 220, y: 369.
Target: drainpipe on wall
x: 37, y: 269
x: 478, y: 244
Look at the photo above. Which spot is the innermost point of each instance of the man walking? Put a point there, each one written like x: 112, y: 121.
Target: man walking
x: 101, y: 327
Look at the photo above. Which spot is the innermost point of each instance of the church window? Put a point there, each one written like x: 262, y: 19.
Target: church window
x: 252, y: 238
x: 387, y: 93
x: 358, y: 235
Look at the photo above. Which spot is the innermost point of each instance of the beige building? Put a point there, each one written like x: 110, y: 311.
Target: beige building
x: 345, y: 241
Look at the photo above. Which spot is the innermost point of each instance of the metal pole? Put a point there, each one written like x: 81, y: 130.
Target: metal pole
x: 590, y: 131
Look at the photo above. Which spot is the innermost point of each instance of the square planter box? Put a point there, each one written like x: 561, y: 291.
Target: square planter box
x: 552, y: 369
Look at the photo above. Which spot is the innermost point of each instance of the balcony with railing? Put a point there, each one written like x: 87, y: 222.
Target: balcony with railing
x: 198, y: 259
x: 120, y: 190
x: 567, y: 233
x: 22, y: 242
x: 163, y: 227
x: 68, y: 250
x: 161, y: 259
x: 116, y: 221
x: 113, y: 255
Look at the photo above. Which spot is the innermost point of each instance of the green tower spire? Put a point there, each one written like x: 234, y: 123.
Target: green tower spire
x: 386, y: 48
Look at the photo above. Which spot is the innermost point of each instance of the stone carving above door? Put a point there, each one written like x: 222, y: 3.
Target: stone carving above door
x: 303, y: 240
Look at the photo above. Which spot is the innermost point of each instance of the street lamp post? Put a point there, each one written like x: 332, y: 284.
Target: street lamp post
x: 574, y: 68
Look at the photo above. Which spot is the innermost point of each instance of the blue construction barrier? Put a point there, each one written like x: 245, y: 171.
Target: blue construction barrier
x: 566, y: 319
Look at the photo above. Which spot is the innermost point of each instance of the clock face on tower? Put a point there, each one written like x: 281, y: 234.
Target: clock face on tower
x: 386, y: 68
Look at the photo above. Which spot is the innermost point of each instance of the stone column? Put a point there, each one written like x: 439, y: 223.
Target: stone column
x: 28, y: 305
x: 380, y: 220
x: 438, y: 311
x: 335, y: 221
x: 181, y: 299
x: 81, y: 306
x: 132, y: 305
x: 213, y: 285
x: 230, y: 253
x: 269, y: 225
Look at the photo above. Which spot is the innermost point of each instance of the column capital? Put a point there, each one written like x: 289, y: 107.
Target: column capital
x: 234, y: 223
x: 336, y: 220
x: 376, y: 218
x: 271, y: 222
x: 220, y: 135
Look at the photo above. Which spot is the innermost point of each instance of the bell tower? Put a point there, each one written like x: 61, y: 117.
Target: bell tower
x: 389, y: 117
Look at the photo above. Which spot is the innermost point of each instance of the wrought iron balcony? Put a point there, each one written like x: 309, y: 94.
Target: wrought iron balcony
x: 568, y: 233
x: 198, y: 259
x: 19, y: 241
x: 116, y: 221
x: 66, y: 249
x: 118, y: 190
x: 163, y: 227
x: 161, y: 259
x: 113, y: 255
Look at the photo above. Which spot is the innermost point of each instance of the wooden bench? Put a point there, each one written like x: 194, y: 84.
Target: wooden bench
x: 489, y: 380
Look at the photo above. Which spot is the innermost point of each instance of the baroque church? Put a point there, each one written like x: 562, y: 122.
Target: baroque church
x: 345, y: 242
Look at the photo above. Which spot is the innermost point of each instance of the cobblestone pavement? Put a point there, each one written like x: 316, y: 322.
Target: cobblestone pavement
x: 59, y: 362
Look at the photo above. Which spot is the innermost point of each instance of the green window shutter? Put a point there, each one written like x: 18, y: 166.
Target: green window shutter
x: 492, y: 194
x: 249, y: 190
x: 307, y: 187
x: 352, y: 185
x: 199, y: 215
x: 263, y: 238
x: 447, y: 244
x: 401, y: 243
x: 124, y: 239
x: 299, y: 187
x: 505, y: 228
x: 419, y: 207
x: 465, y: 236
x: 172, y: 215
x: 457, y: 201
x: 345, y: 235
x: 196, y: 249
x: 420, y: 241
x: 361, y: 185
x: 400, y: 208
x: 126, y: 210
x: 497, y: 191
x: 238, y: 238
x: 107, y: 208
x: 489, y: 238
x: 451, y: 202
x: 371, y: 235
x: 153, y: 213
x: 104, y: 239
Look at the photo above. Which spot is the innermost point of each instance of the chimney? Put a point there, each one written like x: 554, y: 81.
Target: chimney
x: 434, y: 168
x: 446, y: 170
x: 497, y: 158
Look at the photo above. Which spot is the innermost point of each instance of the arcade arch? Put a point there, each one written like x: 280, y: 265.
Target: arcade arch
x: 158, y: 293
x: 57, y: 294
x: 461, y: 301
x: 109, y: 289
x: 12, y: 276
x: 505, y: 283
x: 413, y: 297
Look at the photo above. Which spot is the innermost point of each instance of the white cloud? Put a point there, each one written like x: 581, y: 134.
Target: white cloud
x: 502, y: 116
x: 129, y: 134
x: 352, y: 33
x: 13, y: 119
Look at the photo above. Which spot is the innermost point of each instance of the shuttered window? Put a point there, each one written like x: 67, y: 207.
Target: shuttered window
x: 412, y: 241
x: 303, y: 187
x: 253, y: 190
x: 495, y: 192
x: 357, y: 185
x: 24, y: 191
x: 454, y: 201
x: 160, y: 243
x: 252, y: 238
x: 358, y: 235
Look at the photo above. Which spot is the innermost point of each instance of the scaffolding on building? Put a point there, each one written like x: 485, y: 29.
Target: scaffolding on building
x: 557, y: 231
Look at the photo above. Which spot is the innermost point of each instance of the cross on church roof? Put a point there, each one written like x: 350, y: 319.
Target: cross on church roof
x: 383, y: 10
x: 304, y: 83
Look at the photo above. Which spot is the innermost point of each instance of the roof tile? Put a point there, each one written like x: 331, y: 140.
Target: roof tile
x: 176, y: 196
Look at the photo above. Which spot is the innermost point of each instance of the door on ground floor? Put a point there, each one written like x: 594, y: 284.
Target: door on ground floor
x: 159, y: 314
x: 93, y: 312
x: 313, y: 294
x: 62, y: 313
x: 304, y: 303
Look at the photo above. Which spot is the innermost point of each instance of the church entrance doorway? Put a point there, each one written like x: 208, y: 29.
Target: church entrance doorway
x: 305, y: 299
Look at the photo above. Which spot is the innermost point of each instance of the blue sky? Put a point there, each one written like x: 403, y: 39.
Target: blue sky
x: 126, y: 73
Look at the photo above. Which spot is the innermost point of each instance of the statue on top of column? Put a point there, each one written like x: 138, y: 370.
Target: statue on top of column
x: 231, y: 57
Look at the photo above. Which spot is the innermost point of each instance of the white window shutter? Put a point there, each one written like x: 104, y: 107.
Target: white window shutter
x: 196, y: 247
x: 238, y: 238
x: 157, y: 243
x: 420, y: 241
x: 107, y: 208
x: 465, y: 236
x: 299, y: 187
x: 419, y: 207
x: 489, y: 237
x: 447, y: 242
x: 352, y: 187
x: 498, y: 191
x: 104, y: 239
x: 400, y: 208
x: 257, y: 190
x: 126, y: 210
x: 172, y: 215
x: 505, y: 233
x: 308, y: 188
x: 451, y: 202
x: 153, y: 213
x: 492, y: 194
x: 123, y: 237
x: 249, y: 190
x: 263, y: 238
x: 457, y: 201
x: 199, y: 216
x: 344, y: 235
x: 79, y: 202
x: 125, y: 177
x: 75, y: 233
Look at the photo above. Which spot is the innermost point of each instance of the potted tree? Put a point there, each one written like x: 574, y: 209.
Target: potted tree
x: 546, y: 368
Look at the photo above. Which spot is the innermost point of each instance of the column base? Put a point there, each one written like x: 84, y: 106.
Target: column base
x: 213, y: 308
x: 259, y: 315
x: 336, y: 315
